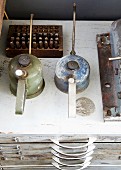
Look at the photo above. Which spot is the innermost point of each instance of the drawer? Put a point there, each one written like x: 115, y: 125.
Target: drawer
x: 36, y: 150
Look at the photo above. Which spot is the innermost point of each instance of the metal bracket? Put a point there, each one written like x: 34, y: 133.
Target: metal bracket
x: 110, y: 79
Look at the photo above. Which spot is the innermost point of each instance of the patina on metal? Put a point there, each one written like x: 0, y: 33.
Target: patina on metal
x: 26, y: 79
x: 34, y: 78
x: 72, y: 66
x: 80, y: 72
x: 109, y: 77
x: 75, y: 67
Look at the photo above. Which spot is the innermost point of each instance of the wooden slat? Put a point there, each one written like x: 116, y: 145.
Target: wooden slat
x: 89, y: 168
x: 2, y: 8
x: 36, y: 149
x: 39, y: 154
x: 7, y: 138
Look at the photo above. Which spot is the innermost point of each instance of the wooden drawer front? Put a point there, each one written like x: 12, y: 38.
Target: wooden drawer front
x: 15, y: 139
x: 2, y: 7
x: 37, y: 152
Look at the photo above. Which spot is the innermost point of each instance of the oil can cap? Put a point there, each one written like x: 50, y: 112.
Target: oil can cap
x: 24, y: 60
x: 73, y: 65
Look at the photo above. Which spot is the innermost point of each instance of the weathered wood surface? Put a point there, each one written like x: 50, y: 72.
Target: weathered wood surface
x: 51, y: 168
x: 36, y: 150
x: 40, y: 154
x: 2, y: 8
x: 16, y: 138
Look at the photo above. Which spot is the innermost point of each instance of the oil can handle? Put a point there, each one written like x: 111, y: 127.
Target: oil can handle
x: 21, y: 93
x: 71, y: 98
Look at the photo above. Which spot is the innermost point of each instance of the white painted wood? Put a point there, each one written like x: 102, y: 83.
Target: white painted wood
x: 2, y: 12
x: 15, y: 138
x: 40, y: 153
x: 48, y: 113
x: 51, y: 168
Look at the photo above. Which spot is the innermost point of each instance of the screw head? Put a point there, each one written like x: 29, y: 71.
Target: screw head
x: 119, y: 95
x: 108, y: 112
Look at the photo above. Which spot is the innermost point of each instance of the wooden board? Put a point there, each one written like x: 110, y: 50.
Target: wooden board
x: 17, y: 138
x: 2, y: 8
x: 36, y: 150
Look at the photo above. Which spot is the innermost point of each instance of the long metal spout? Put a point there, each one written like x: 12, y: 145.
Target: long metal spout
x: 73, y: 33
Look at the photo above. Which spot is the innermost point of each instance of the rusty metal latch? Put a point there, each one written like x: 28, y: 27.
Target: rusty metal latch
x: 110, y: 78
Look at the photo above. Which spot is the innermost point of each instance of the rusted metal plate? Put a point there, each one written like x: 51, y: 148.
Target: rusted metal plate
x: 2, y: 8
x: 110, y: 79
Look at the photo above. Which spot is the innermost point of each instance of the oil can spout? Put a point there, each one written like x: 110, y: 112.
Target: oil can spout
x: 73, y: 33
x: 21, y: 92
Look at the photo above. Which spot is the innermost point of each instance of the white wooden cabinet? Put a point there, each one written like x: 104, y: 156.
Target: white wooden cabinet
x: 47, y: 114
